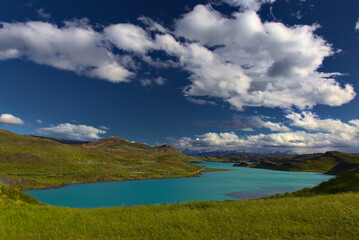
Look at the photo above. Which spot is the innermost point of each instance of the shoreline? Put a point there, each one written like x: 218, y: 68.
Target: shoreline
x: 197, y: 174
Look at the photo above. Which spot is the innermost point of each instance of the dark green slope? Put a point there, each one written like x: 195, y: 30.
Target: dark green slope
x: 330, y: 162
x: 346, y: 182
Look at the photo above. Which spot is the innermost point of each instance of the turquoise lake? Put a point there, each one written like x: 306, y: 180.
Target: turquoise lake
x: 238, y: 184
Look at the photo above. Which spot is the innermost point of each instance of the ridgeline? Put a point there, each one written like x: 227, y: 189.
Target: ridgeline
x: 327, y: 211
x: 29, y: 162
x: 332, y: 162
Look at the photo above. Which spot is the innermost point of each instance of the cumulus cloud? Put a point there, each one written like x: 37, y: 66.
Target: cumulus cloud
x: 8, y: 119
x: 67, y: 130
x: 74, y: 47
x: 311, y: 121
x: 326, y: 134
x: 357, y: 25
x: 239, y: 59
x: 259, y: 63
x: 128, y: 37
x: 247, y: 123
x: 210, y: 76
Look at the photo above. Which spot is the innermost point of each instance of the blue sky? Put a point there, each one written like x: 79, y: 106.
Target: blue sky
x: 254, y: 75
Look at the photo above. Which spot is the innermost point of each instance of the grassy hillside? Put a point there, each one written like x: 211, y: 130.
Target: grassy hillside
x: 13, y: 195
x: 321, y: 217
x: 346, y: 182
x: 251, y: 157
x: 329, y: 162
x: 32, y: 162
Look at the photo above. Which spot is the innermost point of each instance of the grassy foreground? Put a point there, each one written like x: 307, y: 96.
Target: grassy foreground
x: 321, y: 217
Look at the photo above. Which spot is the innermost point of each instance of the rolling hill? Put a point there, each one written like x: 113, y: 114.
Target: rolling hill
x: 332, y: 162
x: 32, y: 162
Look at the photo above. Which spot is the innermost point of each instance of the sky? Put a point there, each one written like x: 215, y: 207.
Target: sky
x: 248, y: 75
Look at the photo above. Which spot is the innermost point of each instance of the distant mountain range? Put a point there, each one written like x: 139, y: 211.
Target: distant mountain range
x: 232, y: 152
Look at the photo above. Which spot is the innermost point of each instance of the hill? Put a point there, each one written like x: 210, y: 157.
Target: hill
x: 345, y: 182
x: 252, y: 157
x: 32, y: 162
x: 332, y: 162
x: 13, y: 195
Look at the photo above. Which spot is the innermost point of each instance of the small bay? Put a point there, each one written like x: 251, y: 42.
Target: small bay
x: 237, y: 184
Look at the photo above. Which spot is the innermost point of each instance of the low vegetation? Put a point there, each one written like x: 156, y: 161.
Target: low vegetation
x: 327, y: 211
x: 320, y: 217
x: 345, y: 182
x: 330, y: 162
x: 31, y: 162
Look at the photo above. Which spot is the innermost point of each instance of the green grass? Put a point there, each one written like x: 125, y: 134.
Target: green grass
x: 330, y: 211
x: 320, y: 217
x: 31, y: 162
x: 346, y: 182
x: 11, y: 194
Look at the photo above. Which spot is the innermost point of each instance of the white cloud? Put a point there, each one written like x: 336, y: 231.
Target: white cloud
x: 146, y: 82
x: 311, y: 121
x: 128, y: 37
x: 298, y: 15
x: 39, y: 121
x: 257, y: 64
x: 276, y: 127
x: 67, y: 130
x: 201, y: 101
x: 210, y: 76
x: 239, y: 59
x: 152, y: 25
x: 42, y: 14
x: 8, y: 119
x: 248, y: 4
x: 329, y: 134
x: 149, y: 82
x: 74, y: 47
x: 357, y: 25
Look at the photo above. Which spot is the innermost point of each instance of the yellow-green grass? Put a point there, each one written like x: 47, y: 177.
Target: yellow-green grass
x: 31, y: 162
x: 321, y: 217
x: 345, y: 182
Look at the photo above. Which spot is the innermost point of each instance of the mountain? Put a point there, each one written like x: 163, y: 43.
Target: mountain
x: 37, y: 162
x: 288, y: 152
x: 200, y: 152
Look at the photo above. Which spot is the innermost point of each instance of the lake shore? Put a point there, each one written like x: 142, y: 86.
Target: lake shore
x: 218, y: 186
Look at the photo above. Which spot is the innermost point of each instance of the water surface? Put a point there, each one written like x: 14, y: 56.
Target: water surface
x: 240, y: 183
